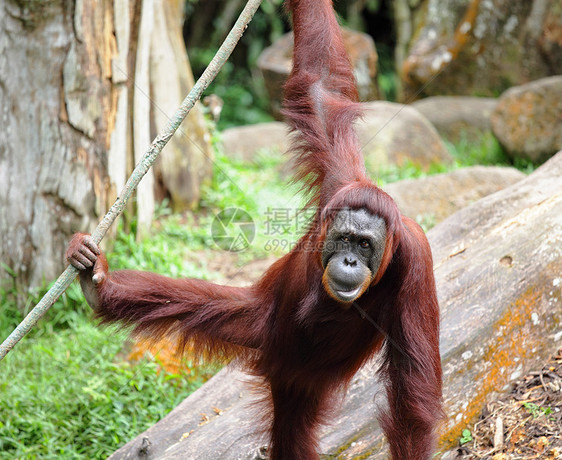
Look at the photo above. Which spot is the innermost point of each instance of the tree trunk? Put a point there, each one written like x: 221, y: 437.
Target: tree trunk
x: 59, y: 100
x: 186, y: 162
x: 76, y: 114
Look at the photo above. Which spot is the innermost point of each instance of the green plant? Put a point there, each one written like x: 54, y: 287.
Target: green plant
x: 387, y: 78
x: 407, y: 170
x: 240, y: 84
x: 258, y: 189
x: 484, y: 150
x: 66, y: 391
x: 535, y: 410
x: 466, y: 437
x: 426, y: 221
x: 164, y: 250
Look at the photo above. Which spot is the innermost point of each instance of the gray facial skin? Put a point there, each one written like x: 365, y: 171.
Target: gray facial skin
x: 352, y: 253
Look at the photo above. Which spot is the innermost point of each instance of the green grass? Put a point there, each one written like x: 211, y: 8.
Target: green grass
x: 485, y: 150
x: 261, y: 190
x: 66, y: 392
x: 164, y: 250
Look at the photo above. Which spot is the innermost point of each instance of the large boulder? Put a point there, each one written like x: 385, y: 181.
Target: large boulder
x: 275, y: 63
x: 528, y: 119
x: 397, y: 134
x: 481, y: 47
x: 429, y: 200
x: 498, y: 267
x: 456, y: 117
x: 390, y: 134
x: 245, y: 142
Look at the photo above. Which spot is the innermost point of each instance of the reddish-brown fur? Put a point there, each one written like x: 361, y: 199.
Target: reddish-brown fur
x: 286, y: 328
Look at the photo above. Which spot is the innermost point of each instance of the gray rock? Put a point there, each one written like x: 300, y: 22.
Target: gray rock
x: 395, y: 134
x: 275, y: 63
x: 457, y: 116
x: 431, y: 199
x: 470, y: 47
x: 390, y: 134
x: 450, y: 455
x: 528, y: 119
x: 244, y: 142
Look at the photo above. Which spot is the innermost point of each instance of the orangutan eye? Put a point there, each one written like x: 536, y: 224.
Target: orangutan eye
x: 364, y: 244
x: 344, y: 238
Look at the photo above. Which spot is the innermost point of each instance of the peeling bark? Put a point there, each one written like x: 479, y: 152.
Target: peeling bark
x: 58, y: 110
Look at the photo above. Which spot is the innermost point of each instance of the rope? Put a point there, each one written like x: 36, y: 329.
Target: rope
x: 66, y: 278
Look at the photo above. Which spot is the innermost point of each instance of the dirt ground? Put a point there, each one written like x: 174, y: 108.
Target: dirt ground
x: 525, y: 424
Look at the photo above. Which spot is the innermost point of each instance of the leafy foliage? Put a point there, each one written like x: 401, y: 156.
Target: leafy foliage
x: 239, y: 84
x: 485, y: 150
x: 536, y: 410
